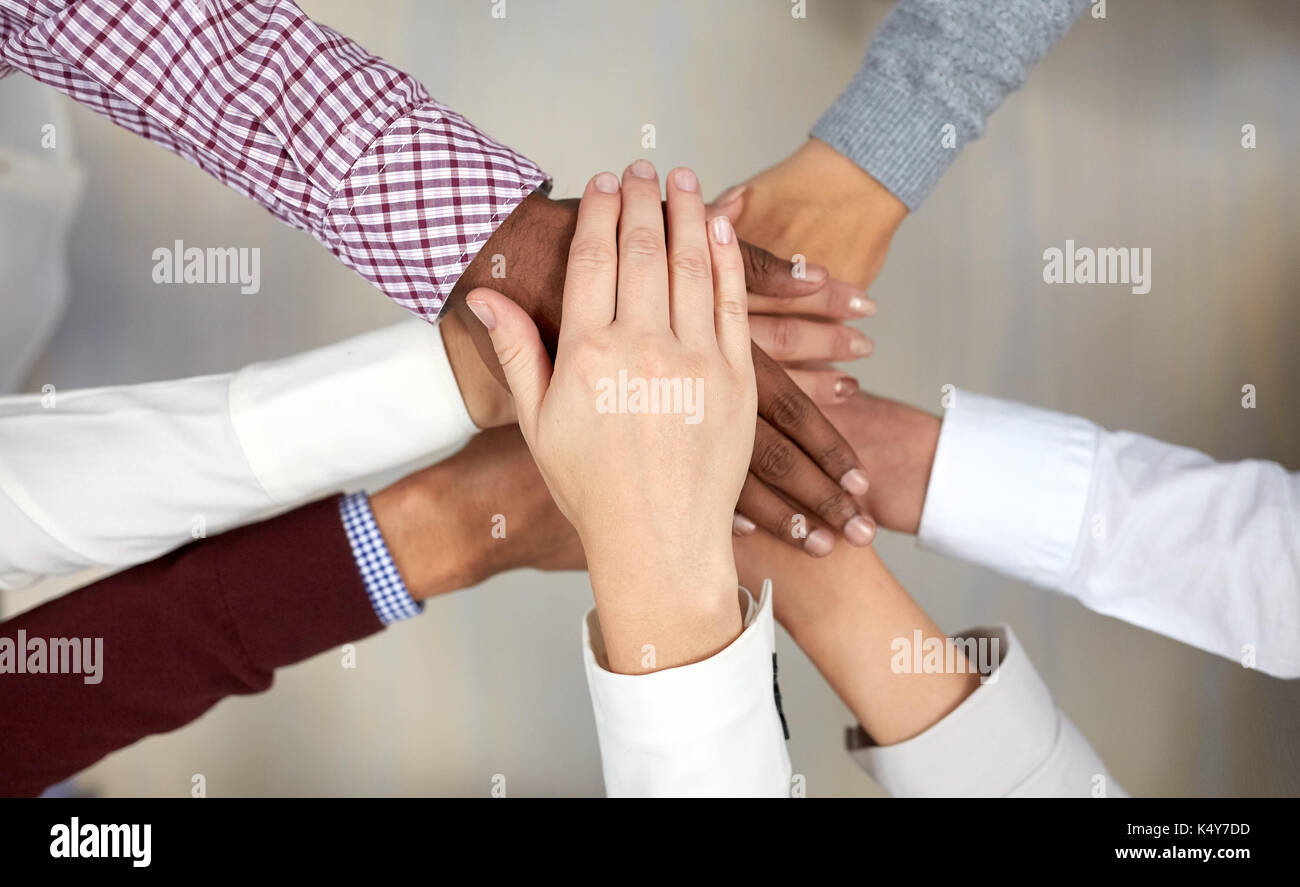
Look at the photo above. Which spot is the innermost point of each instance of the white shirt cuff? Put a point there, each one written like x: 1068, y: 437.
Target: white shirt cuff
x: 1006, y: 739
x: 313, y: 421
x: 706, y: 729
x: 1009, y: 487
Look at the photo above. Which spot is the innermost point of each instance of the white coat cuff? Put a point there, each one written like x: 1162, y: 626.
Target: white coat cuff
x: 1007, y: 738
x: 710, y: 728
x: 1009, y: 487
x: 316, y: 420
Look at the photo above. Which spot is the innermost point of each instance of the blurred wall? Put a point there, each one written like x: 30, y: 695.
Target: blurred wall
x: 1128, y: 134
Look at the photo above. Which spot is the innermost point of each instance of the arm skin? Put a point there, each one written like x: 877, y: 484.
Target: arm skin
x: 801, y: 467
x: 454, y: 502
x: 820, y: 204
x: 844, y: 612
x: 897, y: 443
x: 218, y: 617
x: 488, y: 403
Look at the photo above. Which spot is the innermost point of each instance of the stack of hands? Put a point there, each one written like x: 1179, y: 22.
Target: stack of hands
x: 661, y: 503
x: 650, y: 394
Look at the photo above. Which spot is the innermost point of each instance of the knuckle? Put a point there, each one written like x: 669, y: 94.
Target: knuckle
x: 835, y: 507
x: 842, y: 341
x: 785, y: 527
x: 696, y: 365
x: 690, y: 264
x: 835, y: 456
x: 761, y: 263
x: 643, y: 243
x: 788, y: 408
x: 650, y: 354
x: 784, y: 335
x: 837, y: 304
x: 509, y: 355
x: 730, y: 308
x: 774, y: 460
x: 592, y: 254
x: 590, y: 356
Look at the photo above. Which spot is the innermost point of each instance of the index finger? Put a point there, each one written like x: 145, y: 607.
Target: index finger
x: 592, y: 274
x: 769, y: 275
x: 835, y: 300
x: 792, y: 413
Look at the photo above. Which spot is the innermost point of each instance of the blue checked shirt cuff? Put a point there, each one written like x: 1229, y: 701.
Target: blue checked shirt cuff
x: 384, y: 585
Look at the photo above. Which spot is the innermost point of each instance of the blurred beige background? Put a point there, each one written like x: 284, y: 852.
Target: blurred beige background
x: 1128, y: 134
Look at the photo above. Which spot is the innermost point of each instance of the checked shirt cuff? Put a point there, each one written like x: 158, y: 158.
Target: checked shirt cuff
x: 384, y: 585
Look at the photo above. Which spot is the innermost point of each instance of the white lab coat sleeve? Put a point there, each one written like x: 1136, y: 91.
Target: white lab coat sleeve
x: 1161, y: 536
x: 1007, y: 739
x: 117, y: 476
x: 708, y: 729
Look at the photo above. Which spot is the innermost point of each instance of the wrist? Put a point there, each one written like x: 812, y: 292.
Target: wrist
x: 822, y: 205
x: 647, y: 558
x: 488, y: 402
x: 421, y: 508
x: 663, y: 605
x: 841, y: 188
x: 525, y: 260
x: 653, y: 619
x: 896, y: 444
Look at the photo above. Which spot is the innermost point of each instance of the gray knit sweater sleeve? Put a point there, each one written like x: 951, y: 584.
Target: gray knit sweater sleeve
x: 933, y: 74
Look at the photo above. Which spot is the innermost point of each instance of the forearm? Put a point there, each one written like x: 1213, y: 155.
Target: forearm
x: 220, y: 616
x: 484, y: 511
x: 819, y: 204
x: 848, y: 614
x: 707, y: 729
x: 328, y: 138
x: 193, y: 457
x: 905, y: 116
x: 680, y: 607
x: 163, y: 642
x: 1159, y: 535
x: 896, y: 443
x: 435, y: 505
x: 938, y: 721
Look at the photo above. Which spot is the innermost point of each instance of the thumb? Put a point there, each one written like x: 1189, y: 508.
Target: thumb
x: 730, y: 203
x: 523, y: 358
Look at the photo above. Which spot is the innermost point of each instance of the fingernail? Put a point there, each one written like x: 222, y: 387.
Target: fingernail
x: 854, y: 481
x: 722, y: 229
x: 819, y: 543
x: 742, y: 526
x: 860, y: 346
x: 642, y: 169
x: 483, y: 313
x: 859, y: 531
x: 815, y: 273
x: 686, y: 180
x: 862, y: 306
x: 731, y: 195
x: 846, y: 386
x: 607, y: 182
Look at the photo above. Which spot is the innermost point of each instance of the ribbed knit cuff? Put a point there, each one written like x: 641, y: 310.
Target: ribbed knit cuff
x: 891, y: 133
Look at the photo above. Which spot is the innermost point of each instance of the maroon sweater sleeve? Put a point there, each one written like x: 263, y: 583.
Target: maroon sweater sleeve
x: 212, y: 619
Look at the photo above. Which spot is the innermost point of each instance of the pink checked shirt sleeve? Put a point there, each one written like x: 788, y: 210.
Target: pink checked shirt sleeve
x: 329, y: 138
